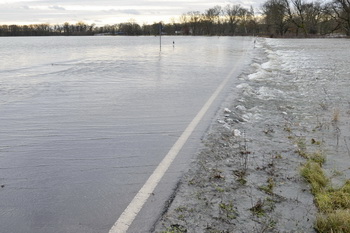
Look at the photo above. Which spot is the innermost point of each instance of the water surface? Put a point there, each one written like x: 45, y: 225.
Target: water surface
x: 85, y: 120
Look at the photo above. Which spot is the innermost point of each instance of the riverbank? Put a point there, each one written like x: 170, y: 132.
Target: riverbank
x: 247, y: 178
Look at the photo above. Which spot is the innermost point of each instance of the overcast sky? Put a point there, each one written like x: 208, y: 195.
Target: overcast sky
x: 103, y: 12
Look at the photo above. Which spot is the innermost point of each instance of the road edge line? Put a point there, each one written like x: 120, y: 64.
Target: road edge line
x: 129, y: 214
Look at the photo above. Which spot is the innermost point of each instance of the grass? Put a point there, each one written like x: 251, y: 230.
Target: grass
x: 269, y: 187
x: 175, y: 228
x: 335, y: 199
x: 333, y: 204
x: 258, y: 208
x: 181, y: 209
x: 317, y: 157
x: 241, y: 176
x: 228, y: 209
x: 217, y: 174
x: 301, y: 144
x: 314, y: 174
x: 219, y: 189
x: 336, y: 222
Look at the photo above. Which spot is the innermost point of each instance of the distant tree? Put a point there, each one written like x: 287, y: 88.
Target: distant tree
x: 58, y: 29
x: 185, y: 22
x: 280, y: 17
x: 154, y: 29
x: 341, y: 13
x: 252, y: 23
x: 246, y: 16
x: 313, y: 15
x: 42, y: 29
x: 211, y: 19
x: 296, y: 13
x: 91, y: 28
x: 194, y: 21
x: 130, y: 28
x: 146, y: 29
x: 275, y: 15
x: 232, y: 12
x: 305, y: 16
x: 66, y: 29
x: 14, y: 30
x: 80, y: 28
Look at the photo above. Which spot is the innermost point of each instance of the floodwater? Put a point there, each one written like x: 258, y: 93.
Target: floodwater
x: 297, y: 92
x: 313, y: 76
x: 319, y: 72
x: 301, y: 87
x: 294, y: 94
x: 85, y: 120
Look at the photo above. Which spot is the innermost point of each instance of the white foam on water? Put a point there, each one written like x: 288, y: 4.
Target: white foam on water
x: 241, y: 108
x: 243, y: 86
x: 249, y: 92
x: 251, y: 117
x: 256, y: 66
x: 264, y: 71
x: 269, y: 93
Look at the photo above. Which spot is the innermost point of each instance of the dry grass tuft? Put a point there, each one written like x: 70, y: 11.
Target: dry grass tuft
x: 333, y: 204
x: 336, y: 222
x: 314, y: 174
x: 332, y: 200
x: 318, y: 157
x: 336, y: 115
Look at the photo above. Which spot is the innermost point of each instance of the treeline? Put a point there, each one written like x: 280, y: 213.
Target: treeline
x: 279, y: 18
x: 295, y: 17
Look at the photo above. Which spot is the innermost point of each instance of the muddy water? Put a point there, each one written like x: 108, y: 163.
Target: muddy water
x: 247, y: 177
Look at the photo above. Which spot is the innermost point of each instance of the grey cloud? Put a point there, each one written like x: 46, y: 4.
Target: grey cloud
x: 25, y: 7
x: 57, y: 8
x: 127, y: 11
x: 131, y: 12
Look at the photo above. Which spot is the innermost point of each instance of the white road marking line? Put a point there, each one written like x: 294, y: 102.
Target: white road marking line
x: 127, y: 217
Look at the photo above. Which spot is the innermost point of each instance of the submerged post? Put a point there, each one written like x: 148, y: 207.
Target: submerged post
x: 160, y: 36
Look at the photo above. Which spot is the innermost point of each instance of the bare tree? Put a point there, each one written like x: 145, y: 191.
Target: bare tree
x: 246, y: 16
x: 296, y: 15
x: 233, y: 17
x: 276, y: 16
x: 341, y: 10
x: 212, y: 17
x: 313, y: 15
x: 194, y: 17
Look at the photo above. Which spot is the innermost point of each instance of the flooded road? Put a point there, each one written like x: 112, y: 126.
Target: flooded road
x: 85, y: 120
x: 291, y: 104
